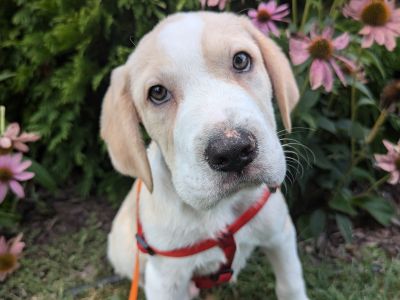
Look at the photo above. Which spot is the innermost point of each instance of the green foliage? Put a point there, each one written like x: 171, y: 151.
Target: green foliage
x: 341, y: 182
x: 56, y: 57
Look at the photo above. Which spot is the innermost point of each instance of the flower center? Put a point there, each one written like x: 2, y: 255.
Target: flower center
x: 397, y: 163
x: 377, y: 13
x: 5, y: 174
x: 7, y: 262
x: 263, y: 16
x: 4, y: 151
x: 321, y: 48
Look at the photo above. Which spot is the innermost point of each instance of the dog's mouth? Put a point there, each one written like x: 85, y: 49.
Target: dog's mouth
x: 251, y: 176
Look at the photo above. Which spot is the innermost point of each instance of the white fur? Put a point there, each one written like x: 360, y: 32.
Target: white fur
x: 191, y: 202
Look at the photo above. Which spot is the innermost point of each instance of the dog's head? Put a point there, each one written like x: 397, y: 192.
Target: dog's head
x: 202, y: 86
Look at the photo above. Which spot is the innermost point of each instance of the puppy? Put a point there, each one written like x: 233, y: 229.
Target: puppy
x: 202, y: 85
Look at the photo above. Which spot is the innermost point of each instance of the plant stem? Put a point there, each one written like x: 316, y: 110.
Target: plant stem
x: 304, y: 87
x: 375, y: 185
x: 2, y: 119
x: 333, y: 11
x: 378, y: 123
x: 14, y: 205
x: 294, y: 12
x: 305, y: 14
x: 353, y: 117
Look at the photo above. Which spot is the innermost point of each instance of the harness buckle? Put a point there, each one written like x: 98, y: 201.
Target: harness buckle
x: 143, y: 246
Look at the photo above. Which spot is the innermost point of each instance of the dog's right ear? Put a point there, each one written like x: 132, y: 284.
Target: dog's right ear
x: 119, y: 127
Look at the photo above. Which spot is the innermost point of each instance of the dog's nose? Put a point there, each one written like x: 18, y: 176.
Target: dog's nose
x: 231, y: 150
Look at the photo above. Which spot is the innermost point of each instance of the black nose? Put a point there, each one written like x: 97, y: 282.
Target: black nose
x: 231, y: 150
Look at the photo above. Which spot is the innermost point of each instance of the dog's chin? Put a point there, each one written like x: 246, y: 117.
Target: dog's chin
x: 225, y: 188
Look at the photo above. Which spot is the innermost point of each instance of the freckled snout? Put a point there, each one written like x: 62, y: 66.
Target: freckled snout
x: 231, y: 150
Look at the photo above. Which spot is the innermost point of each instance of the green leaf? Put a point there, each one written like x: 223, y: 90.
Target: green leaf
x: 5, y: 75
x: 326, y: 124
x: 366, y: 102
x: 377, y: 207
x: 318, y: 222
x: 377, y: 62
x: 363, y: 89
x: 362, y: 174
x: 345, y: 227
x: 42, y: 176
x: 342, y: 202
x: 306, y: 117
x: 357, y: 131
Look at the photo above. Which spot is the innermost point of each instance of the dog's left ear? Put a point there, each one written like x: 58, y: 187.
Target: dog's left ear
x: 119, y: 127
x: 280, y: 73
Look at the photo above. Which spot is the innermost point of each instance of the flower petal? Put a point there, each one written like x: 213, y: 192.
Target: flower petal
x: 316, y: 74
x: 274, y: 29
x: 341, y: 41
x: 3, y: 191
x: 298, y: 51
x: 394, y: 178
x: 270, y: 6
x: 17, y: 188
x: 281, y: 8
x: 26, y: 137
x: 338, y: 71
x: 21, y: 146
x: 367, y: 41
x: 16, y: 246
x: 328, y: 77
x: 388, y: 145
x: 252, y: 13
x: 23, y: 166
x: 379, y: 35
x: 24, y: 176
x: 12, y: 130
x: 327, y: 33
x: 5, y: 142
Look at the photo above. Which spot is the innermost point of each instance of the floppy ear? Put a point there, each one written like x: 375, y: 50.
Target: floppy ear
x: 119, y: 127
x: 280, y: 73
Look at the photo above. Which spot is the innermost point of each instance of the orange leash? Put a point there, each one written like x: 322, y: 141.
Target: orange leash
x: 133, y: 295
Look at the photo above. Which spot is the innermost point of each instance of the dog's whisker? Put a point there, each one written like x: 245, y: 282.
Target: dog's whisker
x: 293, y: 143
x: 295, y: 130
x: 298, y: 155
x: 298, y: 166
x: 289, y: 176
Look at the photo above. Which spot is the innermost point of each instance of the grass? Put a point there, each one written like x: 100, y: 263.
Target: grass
x: 54, y: 271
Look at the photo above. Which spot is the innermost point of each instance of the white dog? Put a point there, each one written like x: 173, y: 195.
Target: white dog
x: 202, y: 85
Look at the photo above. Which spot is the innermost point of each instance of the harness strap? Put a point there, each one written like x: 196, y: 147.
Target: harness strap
x: 225, y: 241
x: 133, y: 294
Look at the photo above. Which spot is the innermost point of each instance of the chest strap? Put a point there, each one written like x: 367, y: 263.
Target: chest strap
x: 225, y: 241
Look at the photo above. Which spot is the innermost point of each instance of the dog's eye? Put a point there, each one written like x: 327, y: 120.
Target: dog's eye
x: 241, y: 62
x: 159, y: 94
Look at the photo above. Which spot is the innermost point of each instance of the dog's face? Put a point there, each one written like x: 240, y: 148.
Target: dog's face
x: 202, y: 85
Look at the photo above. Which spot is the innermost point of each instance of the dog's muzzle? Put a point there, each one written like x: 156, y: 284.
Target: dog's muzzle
x: 231, y: 150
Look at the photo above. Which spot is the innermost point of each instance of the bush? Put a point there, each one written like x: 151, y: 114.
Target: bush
x: 57, y: 57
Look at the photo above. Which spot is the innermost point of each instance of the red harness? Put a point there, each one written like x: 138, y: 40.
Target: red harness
x: 225, y: 241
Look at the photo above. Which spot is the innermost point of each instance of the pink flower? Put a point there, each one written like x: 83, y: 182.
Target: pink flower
x: 10, y: 139
x: 323, y: 51
x: 267, y: 14
x: 12, y: 170
x: 380, y: 18
x: 221, y: 3
x: 390, y: 162
x: 10, y: 252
